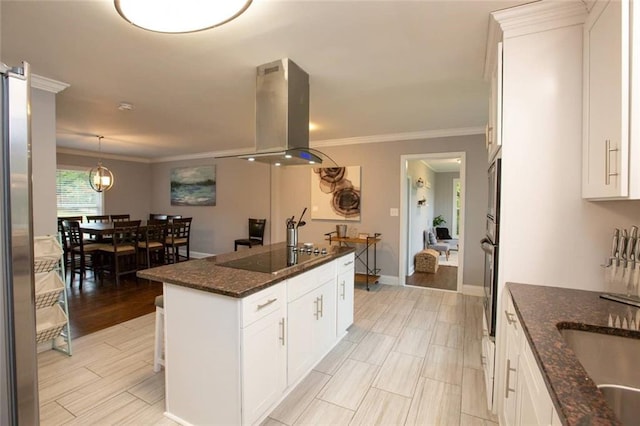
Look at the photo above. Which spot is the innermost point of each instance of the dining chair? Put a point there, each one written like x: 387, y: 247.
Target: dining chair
x: 64, y: 239
x: 122, y: 253
x: 179, y: 233
x: 256, y: 234
x: 153, y: 244
x: 120, y: 217
x: 98, y: 218
x: 82, y: 256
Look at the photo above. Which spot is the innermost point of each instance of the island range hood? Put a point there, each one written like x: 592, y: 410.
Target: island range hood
x: 282, y: 115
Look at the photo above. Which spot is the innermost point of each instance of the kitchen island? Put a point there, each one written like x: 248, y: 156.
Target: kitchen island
x: 237, y: 340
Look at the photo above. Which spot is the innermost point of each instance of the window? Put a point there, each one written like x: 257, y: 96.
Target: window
x: 74, y: 194
x: 455, y: 231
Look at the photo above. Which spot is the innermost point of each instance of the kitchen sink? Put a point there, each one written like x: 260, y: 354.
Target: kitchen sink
x: 612, y: 363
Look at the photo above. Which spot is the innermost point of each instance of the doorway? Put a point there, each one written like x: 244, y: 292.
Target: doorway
x: 432, y: 184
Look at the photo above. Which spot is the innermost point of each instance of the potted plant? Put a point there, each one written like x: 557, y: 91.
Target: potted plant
x: 438, y: 220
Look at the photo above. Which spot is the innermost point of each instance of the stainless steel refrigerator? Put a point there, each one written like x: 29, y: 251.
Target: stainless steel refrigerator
x: 18, y: 360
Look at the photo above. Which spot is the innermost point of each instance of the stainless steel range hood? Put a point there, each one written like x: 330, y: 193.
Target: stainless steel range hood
x: 282, y: 115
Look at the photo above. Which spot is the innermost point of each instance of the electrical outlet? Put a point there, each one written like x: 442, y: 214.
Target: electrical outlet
x: 393, y: 212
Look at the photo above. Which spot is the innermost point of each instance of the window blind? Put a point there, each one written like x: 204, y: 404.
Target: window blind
x: 74, y: 194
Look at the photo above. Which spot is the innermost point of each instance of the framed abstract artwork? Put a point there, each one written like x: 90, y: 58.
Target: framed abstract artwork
x: 193, y: 186
x: 336, y: 193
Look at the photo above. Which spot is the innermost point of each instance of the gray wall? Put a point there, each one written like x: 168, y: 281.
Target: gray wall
x: 132, y: 183
x: 43, y: 141
x: 444, y: 198
x: 242, y: 191
x: 381, y: 188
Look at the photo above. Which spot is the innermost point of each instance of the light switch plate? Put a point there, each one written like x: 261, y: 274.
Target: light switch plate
x: 393, y: 212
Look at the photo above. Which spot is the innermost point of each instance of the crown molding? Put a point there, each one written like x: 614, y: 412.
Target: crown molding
x: 539, y: 16
x: 94, y: 154
x: 397, y: 137
x: 205, y: 155
x: 393, y: 137
x: 47, y: 84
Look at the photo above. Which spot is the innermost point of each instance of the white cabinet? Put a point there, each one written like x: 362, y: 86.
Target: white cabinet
x: 610, y: 139
x: 346, y: 274
x: 264, y: 355
x: 526, y: 399
x: 231, y: 360
x: 312, y: 320
x: 487, y: 359
x: 493, y: 136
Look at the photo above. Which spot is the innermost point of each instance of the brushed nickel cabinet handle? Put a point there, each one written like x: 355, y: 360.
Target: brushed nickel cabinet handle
x: 343, y: 290
x: 607, y: 162
x: 507, y: 387
x: 267, y: 303
x: 322, y: 306
x: 510, y: 318
x: 282, y: 330
x: 317, y: 303
x: 348, y: 263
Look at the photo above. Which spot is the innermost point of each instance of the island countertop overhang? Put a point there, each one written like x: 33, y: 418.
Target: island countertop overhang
x: 207, y: 275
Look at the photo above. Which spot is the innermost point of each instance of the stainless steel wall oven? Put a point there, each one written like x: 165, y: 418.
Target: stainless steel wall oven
x: 490, y: 244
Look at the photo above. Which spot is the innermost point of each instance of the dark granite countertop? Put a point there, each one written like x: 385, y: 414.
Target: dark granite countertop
x: 545, y: 310
x: 207, y: 275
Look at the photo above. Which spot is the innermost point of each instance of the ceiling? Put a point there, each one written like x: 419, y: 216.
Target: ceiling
x: 376, y: 68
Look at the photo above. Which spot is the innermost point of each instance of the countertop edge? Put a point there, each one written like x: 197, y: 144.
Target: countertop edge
x: 201, y: 274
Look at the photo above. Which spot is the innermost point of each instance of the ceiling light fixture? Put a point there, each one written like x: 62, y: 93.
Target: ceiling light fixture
x: 100, y: 178
x: 125, y: 106
x: 184, y: 16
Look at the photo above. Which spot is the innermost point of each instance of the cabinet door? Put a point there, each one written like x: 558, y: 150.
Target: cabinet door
x: 302, y: 315
x: 513, y: 343
x: 264, y: 366
x: 606, y: 101
x: 345, y: 301
x: 534, y: 403
x: 494, y: 130
x: 324, y: 328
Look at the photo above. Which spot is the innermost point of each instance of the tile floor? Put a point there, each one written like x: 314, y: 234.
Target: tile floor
x: 412, y: 357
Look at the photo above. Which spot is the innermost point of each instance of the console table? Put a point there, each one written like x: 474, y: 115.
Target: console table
x: 371, y: 274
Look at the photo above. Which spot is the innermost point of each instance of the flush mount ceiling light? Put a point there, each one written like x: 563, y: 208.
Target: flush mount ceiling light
x: 100, y: 178
x: 180, y: 16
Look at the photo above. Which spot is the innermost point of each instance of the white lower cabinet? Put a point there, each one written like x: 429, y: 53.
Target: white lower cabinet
x: 526, y: 399
x: 264, y: 365
x: 230, y: 361
x: 312, y: 322
x: 346, y: 274
x: 487, y: 359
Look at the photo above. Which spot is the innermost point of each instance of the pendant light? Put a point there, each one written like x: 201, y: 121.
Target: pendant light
x: 100, y: 178
x: 180, y: 16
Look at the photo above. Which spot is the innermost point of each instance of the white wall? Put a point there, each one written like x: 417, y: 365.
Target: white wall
x: 419, y: 216
x: 43, y: 142
x: 444, y: 197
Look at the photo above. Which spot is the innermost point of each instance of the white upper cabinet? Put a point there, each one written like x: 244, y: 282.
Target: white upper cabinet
x: 494, y: 127
x: 609, y: 158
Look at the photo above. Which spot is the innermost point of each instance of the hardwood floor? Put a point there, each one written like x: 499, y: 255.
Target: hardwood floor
x: 412, y: 357
x: 445, y: 279
x: 98, y: 306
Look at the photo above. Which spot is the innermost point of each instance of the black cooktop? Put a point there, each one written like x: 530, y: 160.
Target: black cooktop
x: 274, y: 261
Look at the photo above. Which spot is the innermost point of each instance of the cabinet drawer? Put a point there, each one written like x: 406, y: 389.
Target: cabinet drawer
x: 304, y: 283
x: 346, y: 263
x: 262, y: 303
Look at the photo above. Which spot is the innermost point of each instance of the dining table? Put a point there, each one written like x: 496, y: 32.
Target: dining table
x: 104, y: 229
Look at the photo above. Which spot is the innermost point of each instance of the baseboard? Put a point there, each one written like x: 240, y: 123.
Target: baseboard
x: 198, y: 255
x: 473, y: 290
x: 389, y: 280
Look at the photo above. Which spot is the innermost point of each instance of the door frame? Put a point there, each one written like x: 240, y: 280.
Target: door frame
x: 404, y: 206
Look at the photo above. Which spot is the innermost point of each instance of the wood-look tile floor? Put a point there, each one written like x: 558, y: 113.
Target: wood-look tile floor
x: 412, y: 357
